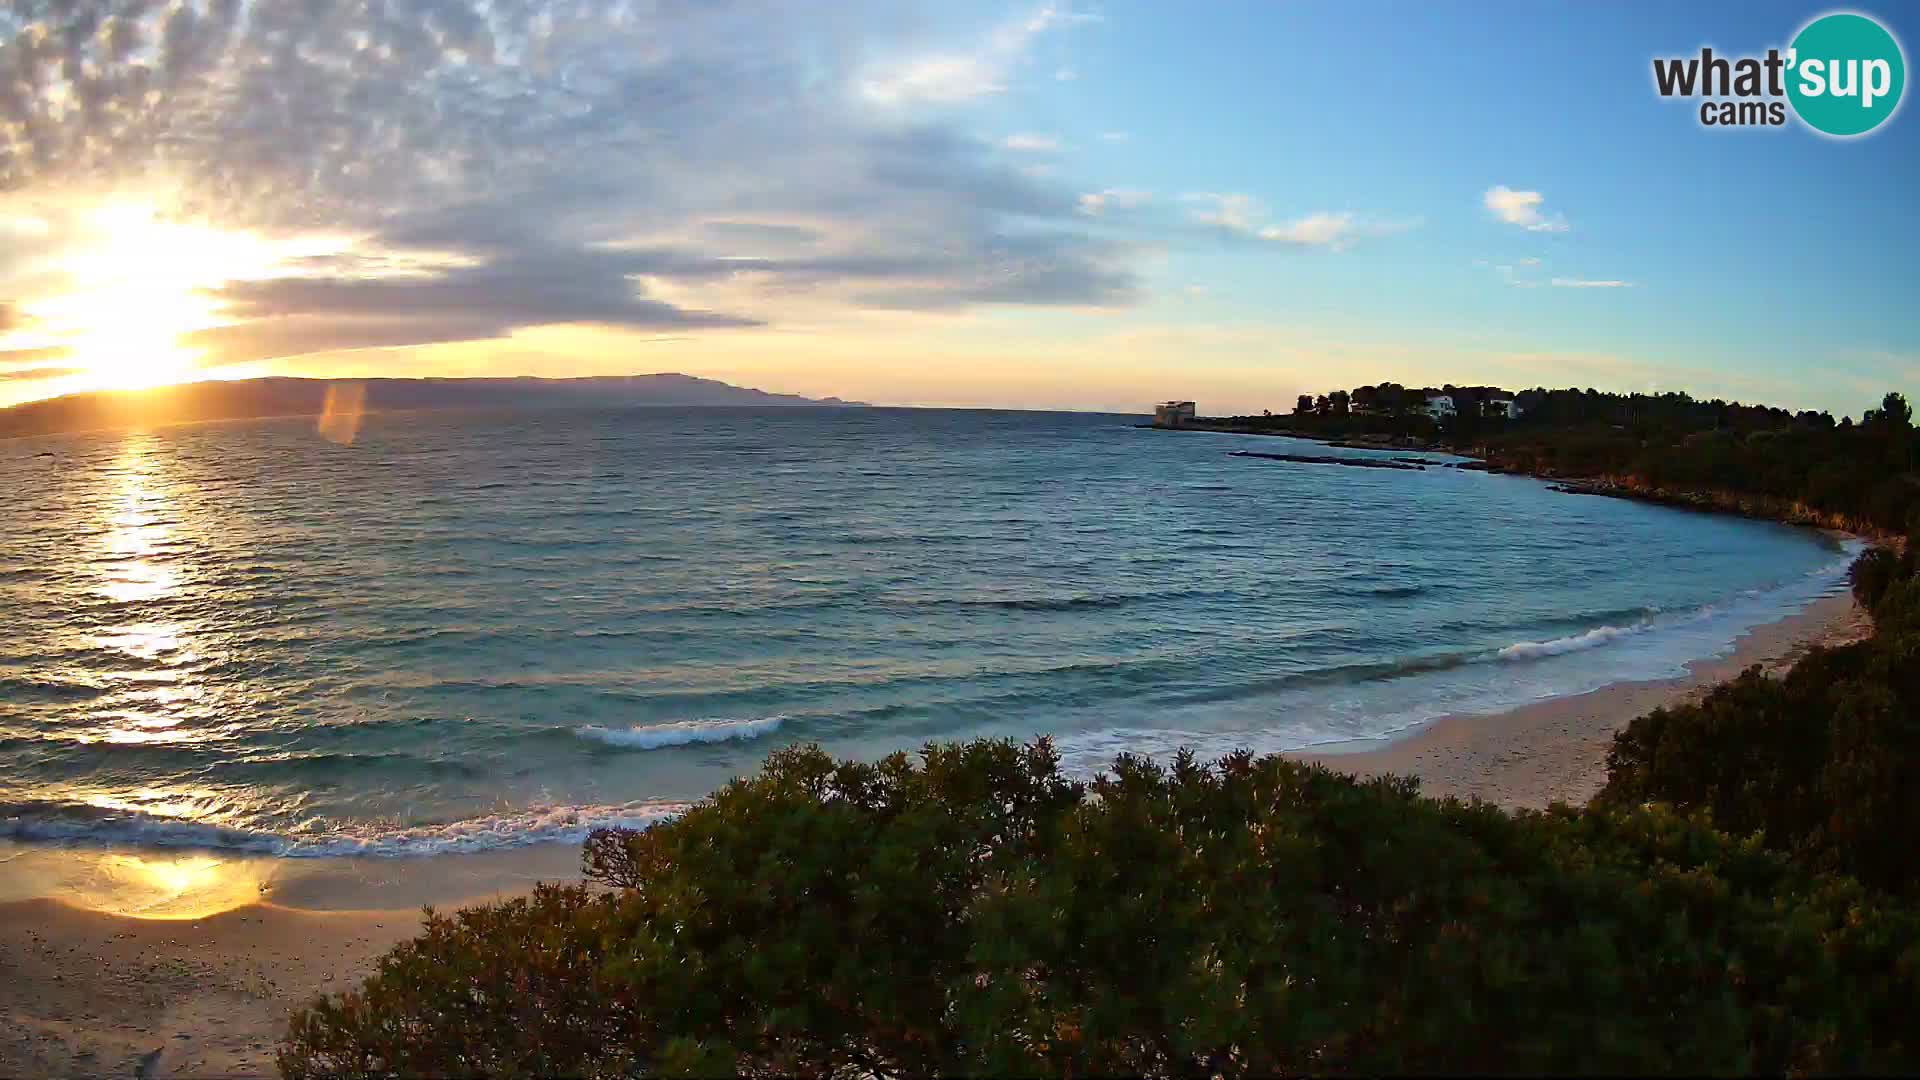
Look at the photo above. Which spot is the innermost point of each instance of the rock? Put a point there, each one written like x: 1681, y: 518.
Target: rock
x: 1308, y: 459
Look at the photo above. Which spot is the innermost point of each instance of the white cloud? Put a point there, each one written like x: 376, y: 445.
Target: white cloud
x: 1314, y: 230
x: 951, y: 78
x: 588, y: 164
x: 1065, y: 74
x: 1244, y: 215
x: 1528, y: 261
x: 1027, y: 142
x: 1589, y: 283
x: 942, y: 79
x: 1115, y: 136
x: 1096, y: 203
x: 1522, y: 208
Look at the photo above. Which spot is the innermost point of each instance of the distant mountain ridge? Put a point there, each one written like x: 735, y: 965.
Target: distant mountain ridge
x: 243, y: 399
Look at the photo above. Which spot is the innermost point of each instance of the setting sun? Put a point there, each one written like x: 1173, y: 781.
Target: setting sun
x: 138, y: 290
x: 131, y: 292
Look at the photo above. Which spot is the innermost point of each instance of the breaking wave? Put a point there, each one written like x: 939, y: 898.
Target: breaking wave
x: 681, y: 732
x: 1599, y: 635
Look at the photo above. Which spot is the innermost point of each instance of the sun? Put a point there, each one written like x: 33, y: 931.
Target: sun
x: 138, y: 287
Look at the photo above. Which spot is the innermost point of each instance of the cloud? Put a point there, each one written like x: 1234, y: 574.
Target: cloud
x: 1522, y: 208
x: 1028, y: 142
x: 1522, y: 273
x: 9, y: 317
x: 1241, y: 215
x: 1314, y: 230
x: 1115, y: 136
x: 1095, y: 203
x: 503, y: 164
x: 26, y: 374
x: 19, y: 364
x: 949, y: 78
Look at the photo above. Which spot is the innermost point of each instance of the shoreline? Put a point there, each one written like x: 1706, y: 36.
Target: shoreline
x: 175, y: 962
x: 1556, y: 750
x: 95, y: 992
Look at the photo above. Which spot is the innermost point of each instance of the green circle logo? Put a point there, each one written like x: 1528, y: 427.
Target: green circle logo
x: 1845, y: 74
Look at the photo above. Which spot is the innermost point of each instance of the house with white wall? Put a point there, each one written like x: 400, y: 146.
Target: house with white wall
x: 1173, y: 414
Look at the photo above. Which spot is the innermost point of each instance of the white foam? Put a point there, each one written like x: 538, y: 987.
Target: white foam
x: 681, y: 732
x: 1599, y: 635
x: 516, y: 828
x: 539, y: 825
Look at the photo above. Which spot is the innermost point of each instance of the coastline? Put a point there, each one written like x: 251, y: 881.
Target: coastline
x: 96, y: 993
x: 100, y: 985
x: 1556, y: 750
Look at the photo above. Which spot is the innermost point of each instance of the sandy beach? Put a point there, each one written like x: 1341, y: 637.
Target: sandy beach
x: 88, y: 988
x: 91, y: 992
x: 1556, y: 750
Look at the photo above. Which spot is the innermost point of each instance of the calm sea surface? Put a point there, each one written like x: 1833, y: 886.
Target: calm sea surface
x: 465, y: 631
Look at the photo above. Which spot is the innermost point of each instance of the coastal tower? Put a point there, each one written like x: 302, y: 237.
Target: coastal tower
x: 1173, y: 414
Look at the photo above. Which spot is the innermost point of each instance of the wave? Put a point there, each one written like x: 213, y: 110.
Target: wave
x: 681, y: 732
x: 34, y: 688
x: 1599, y: 635
x: 80, y: 825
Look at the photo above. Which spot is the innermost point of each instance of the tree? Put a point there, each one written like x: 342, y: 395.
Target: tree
x: 1337, y: 403
x: 1303, y: 405
x: 977, y: 913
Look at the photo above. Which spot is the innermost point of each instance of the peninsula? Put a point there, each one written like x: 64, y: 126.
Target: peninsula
x: 245, y: 399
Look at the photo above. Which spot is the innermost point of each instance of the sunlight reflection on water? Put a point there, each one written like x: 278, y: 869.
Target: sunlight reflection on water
x: 466, y: 632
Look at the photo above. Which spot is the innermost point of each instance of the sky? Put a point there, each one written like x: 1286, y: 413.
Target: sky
x: 1085, y: 206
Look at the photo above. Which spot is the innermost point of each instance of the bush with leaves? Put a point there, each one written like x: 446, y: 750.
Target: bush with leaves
x: 1823, y: 764
x: 977, y: 912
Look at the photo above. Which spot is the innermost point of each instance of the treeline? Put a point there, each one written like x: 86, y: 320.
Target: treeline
x: 1862, y: 474
x: 1798, y: 465
x: 1741, y: 899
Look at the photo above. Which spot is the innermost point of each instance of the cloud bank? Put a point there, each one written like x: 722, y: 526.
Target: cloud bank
x: 512, y: 163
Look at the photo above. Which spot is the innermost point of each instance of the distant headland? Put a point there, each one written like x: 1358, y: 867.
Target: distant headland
x: 244, y: 399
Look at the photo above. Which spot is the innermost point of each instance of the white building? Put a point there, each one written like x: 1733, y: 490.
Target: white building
x: 1173, y: 414
x: 1440, y: 405
x: 1506, y: 407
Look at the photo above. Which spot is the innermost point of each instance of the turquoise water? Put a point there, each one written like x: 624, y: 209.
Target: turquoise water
x: 474, y: 630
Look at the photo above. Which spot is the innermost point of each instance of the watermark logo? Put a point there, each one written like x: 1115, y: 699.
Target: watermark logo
x: 1843, y: 75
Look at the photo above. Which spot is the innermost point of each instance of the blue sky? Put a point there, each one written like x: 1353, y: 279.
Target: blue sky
x: 1768, y: 249
x: 1034, y: 205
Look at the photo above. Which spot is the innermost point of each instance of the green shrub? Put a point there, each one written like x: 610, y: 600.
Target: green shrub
x: 1872, y: 573
x: 979, y: 913
x: 1820, y: 763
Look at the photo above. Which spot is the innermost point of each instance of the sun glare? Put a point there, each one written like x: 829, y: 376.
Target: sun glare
x: 137, y: 287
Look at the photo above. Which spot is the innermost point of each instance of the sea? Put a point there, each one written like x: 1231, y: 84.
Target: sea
x: 462, y: 631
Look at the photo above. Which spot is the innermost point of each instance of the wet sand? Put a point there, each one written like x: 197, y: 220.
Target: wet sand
x: 99, y: 992
x: 1556, y: 750
x: 102, y: 993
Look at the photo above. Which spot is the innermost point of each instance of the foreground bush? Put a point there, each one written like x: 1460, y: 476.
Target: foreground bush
x: 977, y: 912
x: 1824, y: 763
